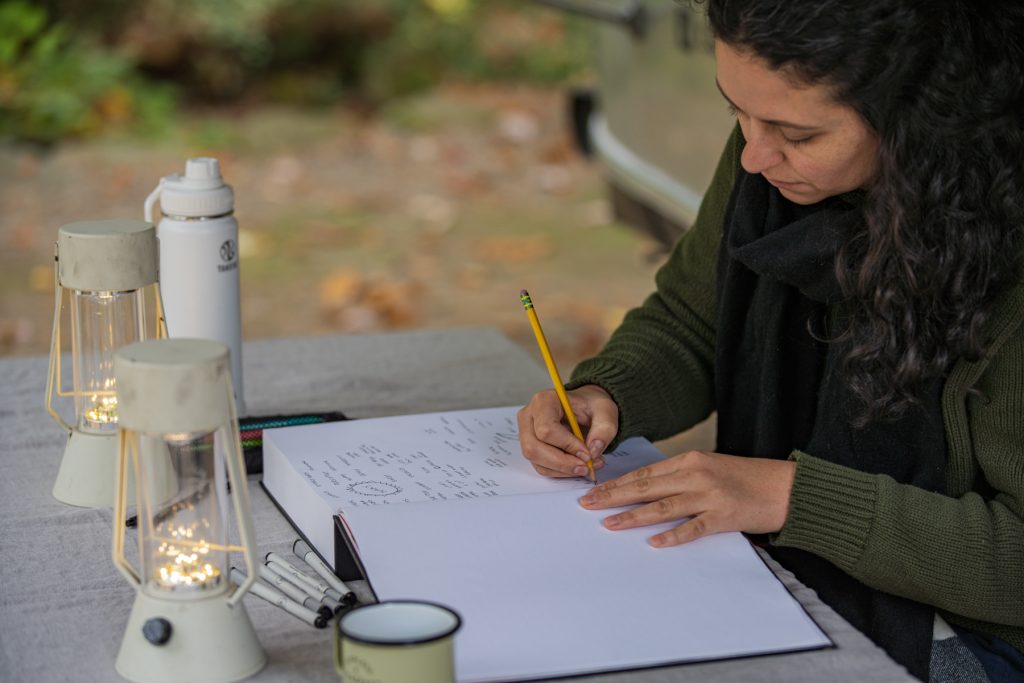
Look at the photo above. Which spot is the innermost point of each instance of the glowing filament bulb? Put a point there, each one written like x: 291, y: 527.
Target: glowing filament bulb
x: 103, y: 410
x: 187, y: 568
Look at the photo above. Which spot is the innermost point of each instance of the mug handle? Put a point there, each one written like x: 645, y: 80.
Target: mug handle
x: 337, y: 651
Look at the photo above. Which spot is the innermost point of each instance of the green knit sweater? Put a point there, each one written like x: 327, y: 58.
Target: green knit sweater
x: 963, y: 552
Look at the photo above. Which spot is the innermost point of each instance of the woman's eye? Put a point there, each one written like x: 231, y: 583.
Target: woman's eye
x: 733, y: 111
x: 796, y: 142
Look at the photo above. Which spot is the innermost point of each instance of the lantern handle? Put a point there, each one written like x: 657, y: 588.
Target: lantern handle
x: 54, y: 369
x: 339, y: 665
x: 161, y: 319
x: 240, y: 495
x: 147, y: 212
x: 120, y: 509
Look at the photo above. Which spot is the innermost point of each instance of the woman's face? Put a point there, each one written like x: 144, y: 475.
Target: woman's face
x: 798, y: 137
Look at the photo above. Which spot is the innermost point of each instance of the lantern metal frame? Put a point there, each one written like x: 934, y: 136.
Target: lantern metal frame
x: 125, y: 255
x: 212, y: 639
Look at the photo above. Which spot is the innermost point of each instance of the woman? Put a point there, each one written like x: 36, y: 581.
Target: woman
x: 850, y: 301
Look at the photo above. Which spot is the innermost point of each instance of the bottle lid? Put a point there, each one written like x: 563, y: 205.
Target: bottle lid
x: 200, y: 192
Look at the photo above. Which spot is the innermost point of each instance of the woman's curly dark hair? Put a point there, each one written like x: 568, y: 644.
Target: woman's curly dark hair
x: 941, y: 83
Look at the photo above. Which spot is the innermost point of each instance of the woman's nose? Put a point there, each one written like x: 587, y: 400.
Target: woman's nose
x: 761, y: 151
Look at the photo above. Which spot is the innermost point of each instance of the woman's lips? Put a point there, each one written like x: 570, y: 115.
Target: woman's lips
x: 781, y: 184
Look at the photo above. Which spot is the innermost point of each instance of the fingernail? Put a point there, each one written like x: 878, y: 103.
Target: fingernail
x: 612, y: 523
x: 588, y: 499
x: 598, y: 463
x: 656, y: 541
x: 579, y: 470
x: 596, y: 447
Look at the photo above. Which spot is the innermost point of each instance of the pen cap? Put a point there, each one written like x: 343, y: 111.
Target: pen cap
x: 301, y: 548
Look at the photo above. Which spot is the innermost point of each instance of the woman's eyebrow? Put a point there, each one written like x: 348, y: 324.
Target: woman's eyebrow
x: 774, y: 122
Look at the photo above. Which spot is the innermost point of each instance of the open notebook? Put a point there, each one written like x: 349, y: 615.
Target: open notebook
x: 544, y: 590
x: 312, y: 472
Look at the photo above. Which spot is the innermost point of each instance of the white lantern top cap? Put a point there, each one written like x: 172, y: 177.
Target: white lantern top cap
x: 173, y: 385
x: 173, y: 355
x: 107, y: 255
x: 111, y: 229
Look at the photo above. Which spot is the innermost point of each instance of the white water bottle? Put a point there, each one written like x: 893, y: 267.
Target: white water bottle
x: 199, y: 277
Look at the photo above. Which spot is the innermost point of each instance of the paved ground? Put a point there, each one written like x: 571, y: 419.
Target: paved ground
x: 433, y: 214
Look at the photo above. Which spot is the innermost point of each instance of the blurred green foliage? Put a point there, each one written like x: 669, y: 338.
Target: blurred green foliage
x: 477, y: 40
x: 74, y: 67
x: 54, y: 84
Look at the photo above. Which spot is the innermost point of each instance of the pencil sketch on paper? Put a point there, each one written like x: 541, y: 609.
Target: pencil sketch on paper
x: 374, y: 488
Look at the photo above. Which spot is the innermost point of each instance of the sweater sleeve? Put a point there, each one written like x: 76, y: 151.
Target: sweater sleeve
x: 658, y: 365
x: 962, y: 553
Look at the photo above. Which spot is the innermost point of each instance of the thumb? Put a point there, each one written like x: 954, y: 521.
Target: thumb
x: 604, y: 425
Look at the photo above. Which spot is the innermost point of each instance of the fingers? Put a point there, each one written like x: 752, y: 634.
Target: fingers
x: 717, y: 492
x: 550, y: 445
x: 545, y: 472
x: 661, y: 510
x: 698, y: 527
x: 546, y: 442
x: 666, y: 510
x: 673, y: 489
x: 651, y: 482
x: 595, y: 407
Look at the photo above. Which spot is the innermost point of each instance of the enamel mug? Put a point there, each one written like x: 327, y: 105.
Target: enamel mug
x: 396, y: 641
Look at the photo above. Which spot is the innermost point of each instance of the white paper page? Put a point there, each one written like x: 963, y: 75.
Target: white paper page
x: 544, y: 590
x: 452, y: 455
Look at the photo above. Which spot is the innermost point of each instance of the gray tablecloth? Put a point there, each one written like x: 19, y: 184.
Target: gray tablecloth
x: 63, y: 605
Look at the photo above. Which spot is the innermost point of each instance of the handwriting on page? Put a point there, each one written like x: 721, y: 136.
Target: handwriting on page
x: 435, y: 457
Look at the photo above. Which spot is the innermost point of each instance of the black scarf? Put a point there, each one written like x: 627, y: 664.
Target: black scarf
x: 779, y: 388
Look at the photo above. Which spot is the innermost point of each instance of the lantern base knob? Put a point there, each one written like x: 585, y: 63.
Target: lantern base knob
x: 157, y: 630
x: 87, y: 473
x: 212, y: 642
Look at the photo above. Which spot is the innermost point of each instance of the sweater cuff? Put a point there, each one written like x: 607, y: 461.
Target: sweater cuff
x: 831, y: 509
x: 618, y: 380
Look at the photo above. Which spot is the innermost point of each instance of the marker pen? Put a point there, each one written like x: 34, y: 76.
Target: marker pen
x: 302, y: 549
x: 294, y: 592
x: 262, y: 590
x: 296, y: 575
x: 293, y: 576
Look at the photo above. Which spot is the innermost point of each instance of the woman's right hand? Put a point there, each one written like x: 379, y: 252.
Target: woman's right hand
x: 548, y: 442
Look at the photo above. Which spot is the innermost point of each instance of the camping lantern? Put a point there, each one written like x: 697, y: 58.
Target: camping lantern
x: 106, y: 267
x: 176, y: 412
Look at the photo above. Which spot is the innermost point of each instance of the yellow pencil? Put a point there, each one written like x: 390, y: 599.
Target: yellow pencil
x: 542, y: 342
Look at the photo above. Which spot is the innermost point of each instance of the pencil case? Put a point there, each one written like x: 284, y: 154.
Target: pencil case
x: 251, y: 433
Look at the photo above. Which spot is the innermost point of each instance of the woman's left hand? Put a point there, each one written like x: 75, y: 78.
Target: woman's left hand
x: 718, y: 492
